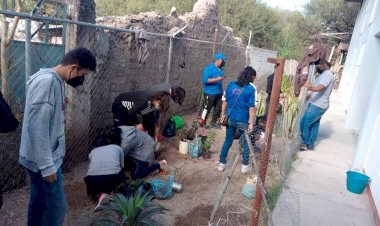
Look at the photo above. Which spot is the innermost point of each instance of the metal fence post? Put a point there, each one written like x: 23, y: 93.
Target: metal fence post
x: 169, y: 60
x: 274, y: 101
x: 170, y: 57
x: 28, y: 42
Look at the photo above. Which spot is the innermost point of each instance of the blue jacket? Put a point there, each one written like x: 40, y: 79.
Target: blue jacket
x: 42, y: 144
x: 239, y: 100
x: 212, y: 71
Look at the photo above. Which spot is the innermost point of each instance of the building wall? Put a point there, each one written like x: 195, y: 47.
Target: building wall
x: 360, y: 91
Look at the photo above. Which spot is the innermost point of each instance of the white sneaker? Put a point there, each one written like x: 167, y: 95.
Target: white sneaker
x: 245, y: 169
x: 221, y: 167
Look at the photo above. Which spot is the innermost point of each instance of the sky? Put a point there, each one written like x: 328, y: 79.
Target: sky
x: 286, y: 4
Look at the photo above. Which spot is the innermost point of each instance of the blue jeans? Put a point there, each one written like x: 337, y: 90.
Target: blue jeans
x: 47, y: 205
x: 231, y: 128
x: 310, y: 124
x: 141, y: 169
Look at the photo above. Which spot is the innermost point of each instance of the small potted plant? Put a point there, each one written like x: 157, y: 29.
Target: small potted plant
x: 207, y: 141
x: 185, y: 135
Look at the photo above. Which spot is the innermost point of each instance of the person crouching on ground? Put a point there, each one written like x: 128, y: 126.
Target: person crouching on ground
x: 106, y: 169
x: 151, y: 120
x: 131, y: 108
x: 141, y: 148
x: 239, y: 106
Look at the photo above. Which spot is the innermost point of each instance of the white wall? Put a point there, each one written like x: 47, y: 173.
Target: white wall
x: 360, y: 92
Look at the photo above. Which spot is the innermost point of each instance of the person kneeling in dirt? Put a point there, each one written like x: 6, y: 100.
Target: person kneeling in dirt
x: 141, y: 148
x: 136, y: 108
x: 106, y: 169
x: 257, y: 130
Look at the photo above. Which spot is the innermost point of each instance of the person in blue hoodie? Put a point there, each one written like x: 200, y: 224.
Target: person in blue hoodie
x: 239, y: 105
x: 213, y: 76
x: 42, y: 146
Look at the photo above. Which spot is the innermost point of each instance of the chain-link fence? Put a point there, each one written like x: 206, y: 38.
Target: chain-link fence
x: 41, y: 42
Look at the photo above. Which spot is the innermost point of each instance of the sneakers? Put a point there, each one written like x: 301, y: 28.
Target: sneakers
x: 303, y: 147
x: 221, y: 167
x: 102, y: 200
x: 245, y: 169
x: 215, y: 125
x: 163, y: 167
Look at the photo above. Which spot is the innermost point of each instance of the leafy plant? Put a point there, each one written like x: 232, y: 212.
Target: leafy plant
x: 133, y: 211
x: 187, y: 133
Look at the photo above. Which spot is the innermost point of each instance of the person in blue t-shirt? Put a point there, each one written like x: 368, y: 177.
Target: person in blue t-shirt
x: 213, y: 76
x: 239, y: 105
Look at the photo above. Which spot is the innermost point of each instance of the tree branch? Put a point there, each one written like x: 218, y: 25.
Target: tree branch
x: 12, y: 29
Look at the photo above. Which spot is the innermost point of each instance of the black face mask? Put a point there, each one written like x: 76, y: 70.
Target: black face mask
x: 222, y: 64
x: 75, y: 82
x: 319, y: 70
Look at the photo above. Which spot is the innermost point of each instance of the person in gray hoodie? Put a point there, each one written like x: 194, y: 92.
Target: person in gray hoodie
x: 42, y: 146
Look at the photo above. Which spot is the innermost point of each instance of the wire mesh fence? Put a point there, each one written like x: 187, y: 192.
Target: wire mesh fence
x: 122, y: 66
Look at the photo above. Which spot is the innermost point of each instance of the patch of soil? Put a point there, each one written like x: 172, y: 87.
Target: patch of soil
x: 192, y: 206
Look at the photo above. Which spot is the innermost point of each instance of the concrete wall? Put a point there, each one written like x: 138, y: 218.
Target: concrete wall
x: 360, y: 91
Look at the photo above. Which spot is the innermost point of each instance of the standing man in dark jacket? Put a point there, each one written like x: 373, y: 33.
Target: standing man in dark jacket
x: 8, y: 123
x: 42, y: 145
x: 213, y: 76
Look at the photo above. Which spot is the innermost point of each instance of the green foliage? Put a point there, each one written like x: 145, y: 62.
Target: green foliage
x: 274, y: 193
x: 136, y: 210
x: 334, y: 15
x: 247, y: 15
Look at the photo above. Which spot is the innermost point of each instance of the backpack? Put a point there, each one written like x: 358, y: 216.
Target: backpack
x: 170, y: 128
x: 8, y: 122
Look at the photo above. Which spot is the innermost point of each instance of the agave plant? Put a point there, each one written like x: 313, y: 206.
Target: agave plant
x: 133, y: 211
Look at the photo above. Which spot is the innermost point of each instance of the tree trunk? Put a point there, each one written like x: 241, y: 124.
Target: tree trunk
x: 4, y: 60
x: 6, y: 38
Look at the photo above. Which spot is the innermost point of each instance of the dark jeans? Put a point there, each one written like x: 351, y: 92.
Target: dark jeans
x: 310, y: 124
x: 1, y: 196
x: 231, y: 128
x: 211, y: 101
x: 140, y: 168
x: 103, y: 183
x: 47, y: 206
x: 149, y: 122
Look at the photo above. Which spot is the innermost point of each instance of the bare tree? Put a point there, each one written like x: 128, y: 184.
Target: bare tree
x: 7, y: 34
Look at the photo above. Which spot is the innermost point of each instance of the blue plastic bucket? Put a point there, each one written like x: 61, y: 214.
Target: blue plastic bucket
x: 356, y: 182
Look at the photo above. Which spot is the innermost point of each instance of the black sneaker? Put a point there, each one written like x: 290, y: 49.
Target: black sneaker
x: 215, y: 125
x: 303, y: 147
x: 310, y: 148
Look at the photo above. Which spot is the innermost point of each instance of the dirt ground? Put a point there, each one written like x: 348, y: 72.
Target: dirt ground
x: 192, y: 206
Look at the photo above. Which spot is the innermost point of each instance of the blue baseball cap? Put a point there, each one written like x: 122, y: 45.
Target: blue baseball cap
x: 220, y: 56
